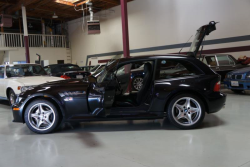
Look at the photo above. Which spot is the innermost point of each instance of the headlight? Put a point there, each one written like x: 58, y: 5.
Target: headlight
x: 229, y: 76
x: 25, y: 88
x: 248, y: 76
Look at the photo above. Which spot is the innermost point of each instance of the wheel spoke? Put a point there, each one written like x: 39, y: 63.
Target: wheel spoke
x: 180, y: 116
x: 41, y: 108
x: 47, y: 121
x: 179, y: 107
x: 194, y: 110
x: 47, y: 113
x: 39, y: 123
x: 187, y: 104
x: 189, y: 118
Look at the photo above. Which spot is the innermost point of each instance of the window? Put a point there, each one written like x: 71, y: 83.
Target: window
x: 24, y: 70
x: 48, y: 70
x: 210, y: 60
x: 225, y: 60
x: 1, y: 72
x: 173, y: 69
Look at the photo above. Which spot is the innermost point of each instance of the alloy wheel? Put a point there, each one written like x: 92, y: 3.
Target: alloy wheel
x: 41, y: 116
x: 186, y: 111
x: 137, y: 83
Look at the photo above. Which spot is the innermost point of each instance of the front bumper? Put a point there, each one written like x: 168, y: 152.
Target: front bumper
x: 243, y: 84
x: 17, y: 110
x: 216, y: 102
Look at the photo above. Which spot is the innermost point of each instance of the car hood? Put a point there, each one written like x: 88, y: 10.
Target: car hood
x: 36, y: 80
x: 242, y: 70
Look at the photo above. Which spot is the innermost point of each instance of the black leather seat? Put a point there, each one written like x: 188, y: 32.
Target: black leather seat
x: 148, y: 73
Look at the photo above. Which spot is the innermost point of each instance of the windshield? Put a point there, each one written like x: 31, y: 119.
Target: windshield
x: 94, y: 68
x: 24, y: 70
x: 69, y: 67
x: 107, y: 73
x: 197, y: 39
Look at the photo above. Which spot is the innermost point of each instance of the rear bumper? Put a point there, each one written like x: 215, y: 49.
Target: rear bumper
x: 243, y: 84
x: 216, y: 102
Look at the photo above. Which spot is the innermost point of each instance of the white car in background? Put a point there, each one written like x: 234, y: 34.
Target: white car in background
x: 18, y: 78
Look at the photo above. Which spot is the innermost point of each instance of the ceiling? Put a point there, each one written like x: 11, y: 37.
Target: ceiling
x: 64, y: 9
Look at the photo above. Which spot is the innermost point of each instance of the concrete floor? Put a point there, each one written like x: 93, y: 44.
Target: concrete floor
x: 222, y: 141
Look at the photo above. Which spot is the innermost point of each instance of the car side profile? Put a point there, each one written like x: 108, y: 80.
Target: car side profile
x: 15, y: 78
x: 179, y: 87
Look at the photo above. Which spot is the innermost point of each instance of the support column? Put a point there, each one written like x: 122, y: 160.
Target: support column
x: 26, y: 37
x: 125, y: 35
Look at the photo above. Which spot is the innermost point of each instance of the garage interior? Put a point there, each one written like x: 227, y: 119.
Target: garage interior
x: 92, y: 32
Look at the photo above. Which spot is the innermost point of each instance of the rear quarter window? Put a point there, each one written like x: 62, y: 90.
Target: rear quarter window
x: 167, y: 69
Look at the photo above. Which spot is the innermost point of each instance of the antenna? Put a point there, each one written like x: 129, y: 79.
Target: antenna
x: 185, y: 44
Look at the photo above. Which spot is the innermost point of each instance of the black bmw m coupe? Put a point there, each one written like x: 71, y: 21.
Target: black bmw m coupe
x: 179, y: 87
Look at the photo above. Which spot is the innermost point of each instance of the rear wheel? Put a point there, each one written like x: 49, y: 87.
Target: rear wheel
x: 41, y: 116
x: 12, y: 97
x: 137, y: 83
x: 186, y: 111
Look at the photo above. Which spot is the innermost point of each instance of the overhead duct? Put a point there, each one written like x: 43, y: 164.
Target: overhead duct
x: 93, y: 25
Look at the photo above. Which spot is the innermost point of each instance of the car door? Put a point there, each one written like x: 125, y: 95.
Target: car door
x: 2, y: 81
x: 102, y: 91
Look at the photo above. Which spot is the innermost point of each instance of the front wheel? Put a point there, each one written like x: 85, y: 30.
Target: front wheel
x: 186, y: 111
x: 41, y: 116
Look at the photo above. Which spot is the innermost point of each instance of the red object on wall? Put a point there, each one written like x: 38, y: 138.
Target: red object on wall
x: 89, y: 63
x: 5, y: 20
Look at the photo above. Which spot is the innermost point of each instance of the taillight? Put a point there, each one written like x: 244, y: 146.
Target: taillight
x: 217, y: 87
x: 65, y: 77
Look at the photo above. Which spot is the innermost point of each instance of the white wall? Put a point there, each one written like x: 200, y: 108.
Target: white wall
x: 163, y: 22
x: 51, y: 54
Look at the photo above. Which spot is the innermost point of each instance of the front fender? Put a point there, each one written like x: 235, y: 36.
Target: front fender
x: 23, y: 103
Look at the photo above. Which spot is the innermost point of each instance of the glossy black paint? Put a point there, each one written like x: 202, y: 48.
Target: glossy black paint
x: 56, y: 70
x: 79, y: 100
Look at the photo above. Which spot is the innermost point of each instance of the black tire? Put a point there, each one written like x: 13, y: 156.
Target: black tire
x: 172, y: 111
x: 46, y: 106
x: 133, y: 83
x: 237, y: 91
x: 12, y: 97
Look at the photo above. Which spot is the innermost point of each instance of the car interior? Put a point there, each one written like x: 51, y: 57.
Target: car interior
x: 124, y: 96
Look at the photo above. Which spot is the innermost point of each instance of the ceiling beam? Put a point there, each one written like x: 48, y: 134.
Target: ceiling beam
x: 115, y: 2
x: 81, y: 3
x: 18, y: 6
x: 64, y: 2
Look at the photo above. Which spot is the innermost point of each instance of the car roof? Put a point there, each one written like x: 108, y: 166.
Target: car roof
x: 19, y: 64
x: 168, y: 56
x: 62, y: 64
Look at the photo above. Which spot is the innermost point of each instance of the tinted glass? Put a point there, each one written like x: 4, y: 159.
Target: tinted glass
x: 225, y: 60
x: 173, y: 69
x: 1, y: 72
x: 24, y: 70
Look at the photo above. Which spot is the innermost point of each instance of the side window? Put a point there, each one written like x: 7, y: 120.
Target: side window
x: 211, y: 60
x: 224, y: 60
x: 168, y: 69
x: 1, y: 72
x: 47, y: 70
